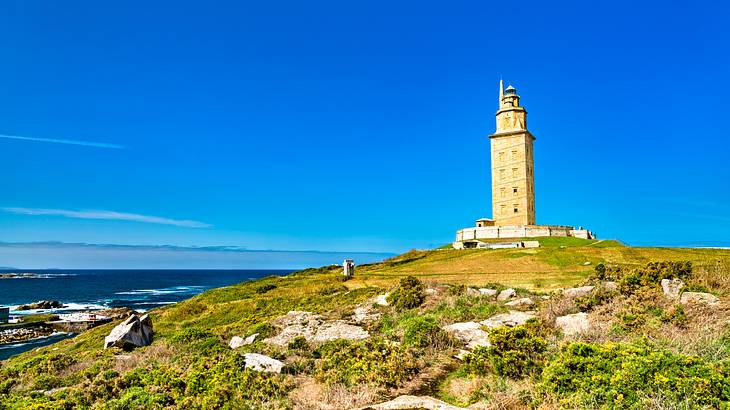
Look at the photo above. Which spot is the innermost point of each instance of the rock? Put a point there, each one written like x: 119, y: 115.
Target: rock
x: 339, y: 330
x: 522, y: 302
x: 41, y: 305
x: 382, y: 300
x: 237, y: 341
x: 470, y: 333
x: 578, y: 292
x: 506, y: 295
x: 512, y: 318
x: 262, y: 363
x: 573, y: 324
x: 473, y: 292
x: 430, y: 291
x: 611, y: 286
x: 413, y: 402
x: 700, y: 298
x: 313, y: 328
x: 488, y: 292
x: 296, y: 317
x: 362, y: 314
x: 672, y: 288
x: 134, y: 332
x: 462, y: 354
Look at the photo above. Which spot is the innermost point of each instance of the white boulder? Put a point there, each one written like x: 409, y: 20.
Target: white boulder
x: 573, y: 324
x: 488, y: 292
x: 506, y: 295
x: 699, y: 298
x: 672, y: 288
x: 521, y: 302
x: 237, y: 341
x: 473, y: 292
x: 578, y: 292
x: 512, y: 318
x: 134, y: 332
x: 413, y: 402
x: 470, y: 333
x: 262, y: 363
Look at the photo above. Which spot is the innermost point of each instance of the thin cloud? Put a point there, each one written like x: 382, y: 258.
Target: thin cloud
x: 107, y: 215
x: 61, y: 141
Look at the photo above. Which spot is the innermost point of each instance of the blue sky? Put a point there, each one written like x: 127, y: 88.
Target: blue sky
x: 344, y: 126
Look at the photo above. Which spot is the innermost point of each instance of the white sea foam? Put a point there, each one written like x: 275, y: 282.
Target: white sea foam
x: 67, y: 307
x: 163, y: 291
x: 33, y: 340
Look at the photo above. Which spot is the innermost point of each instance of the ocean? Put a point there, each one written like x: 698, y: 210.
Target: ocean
x: 97, y: 289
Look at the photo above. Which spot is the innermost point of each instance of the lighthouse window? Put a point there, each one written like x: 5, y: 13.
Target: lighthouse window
x: 516, y: 210
x: 514, y: 191
x: 502, y: 192
x: 514, y: 172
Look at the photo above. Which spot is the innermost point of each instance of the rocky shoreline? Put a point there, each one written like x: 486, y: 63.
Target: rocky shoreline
x: 24, y: 333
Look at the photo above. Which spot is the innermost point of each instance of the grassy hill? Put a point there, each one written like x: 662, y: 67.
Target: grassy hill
x: 189, y: 365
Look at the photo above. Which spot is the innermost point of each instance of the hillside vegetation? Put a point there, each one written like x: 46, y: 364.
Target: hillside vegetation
x: 642, y: 351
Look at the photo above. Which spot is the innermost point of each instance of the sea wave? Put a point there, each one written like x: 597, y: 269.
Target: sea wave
x: 34, y: 275
x: 163, y: 291
x: 67, y: 307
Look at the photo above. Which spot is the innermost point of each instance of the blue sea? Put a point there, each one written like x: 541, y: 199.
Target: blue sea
x: 97, y: 289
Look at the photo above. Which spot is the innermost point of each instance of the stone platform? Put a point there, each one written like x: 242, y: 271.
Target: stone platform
x: 470, y: 237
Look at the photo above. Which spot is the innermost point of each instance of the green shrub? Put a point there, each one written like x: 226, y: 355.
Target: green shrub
x: 265, y: 287
x: 623, y: 375
x: 424, y: 331
x: 332, y: 289
x: 599, y: 296
x: 457, y: 290
x: 191, y: 334
x: 408, y: 295
x: 264, y: 329
x: 675, y: 315
x: 298, y: 343
x: 373, y: 361
x: 515, y: 352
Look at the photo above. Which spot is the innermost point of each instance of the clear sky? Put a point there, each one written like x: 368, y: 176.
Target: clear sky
x: 356, y: 126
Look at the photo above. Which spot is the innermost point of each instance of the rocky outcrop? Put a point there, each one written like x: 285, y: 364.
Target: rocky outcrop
x: 382, y: 300
x: 511, y: 318
x: 41, y: 305
x: 413, y: 402
x: 134, y: 332
x: 261, y: 363
x: 672, y: 288
x: 488, y: 292
x: 520, y: 303
x: 610, y: 286
x: 573, y: 324
x: 473, y: 292
x: 699, y: 298
x: 237, y: 341
x: 470, y: 333
x: 314, y: 328
x: 475, y: 334
x: 506, y: 294
x: 578, y: 292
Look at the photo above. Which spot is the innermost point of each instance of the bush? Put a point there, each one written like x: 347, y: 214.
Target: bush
x: 630, y: 280
x: 457, y: 290
x: 265, y: 287
x: 264, y: 329
x: 332, y: 289
x: 408, y: 295
x: 298, y: 343
x: 373, y: 361
x: 515, y: 352
x: 424, y: 331
x: 623, y: 375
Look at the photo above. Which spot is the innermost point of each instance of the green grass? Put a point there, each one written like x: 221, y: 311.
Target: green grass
x: 191, y: 336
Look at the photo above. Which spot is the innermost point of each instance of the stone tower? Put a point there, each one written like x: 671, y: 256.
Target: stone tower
x: 513, y: 180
